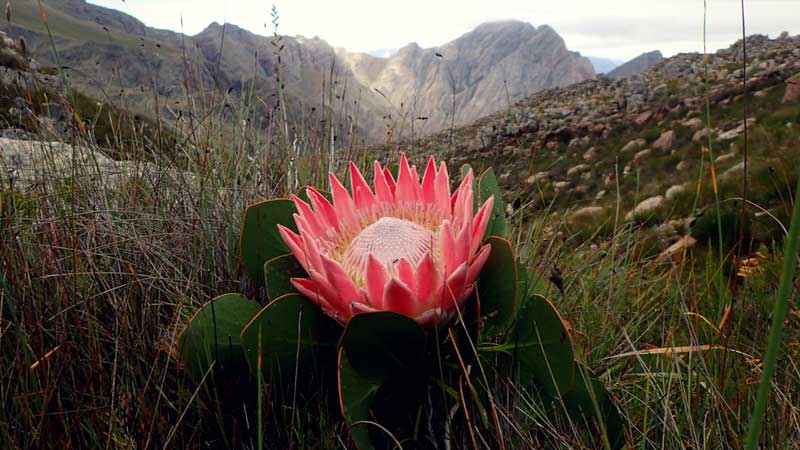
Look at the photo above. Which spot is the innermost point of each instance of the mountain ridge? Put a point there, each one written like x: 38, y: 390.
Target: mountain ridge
x: 409, y: 92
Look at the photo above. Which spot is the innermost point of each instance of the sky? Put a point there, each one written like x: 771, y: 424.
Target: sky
x: 617, y: 29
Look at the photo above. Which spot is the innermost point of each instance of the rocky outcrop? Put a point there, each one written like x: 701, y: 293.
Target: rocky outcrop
x: 792, y: 93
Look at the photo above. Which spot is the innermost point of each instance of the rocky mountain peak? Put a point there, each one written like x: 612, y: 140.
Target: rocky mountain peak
x: 640, y: 64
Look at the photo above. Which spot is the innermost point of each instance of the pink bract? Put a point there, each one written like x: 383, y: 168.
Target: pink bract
x: 404, y: 245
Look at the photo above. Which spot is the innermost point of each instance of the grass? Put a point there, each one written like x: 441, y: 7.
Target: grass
x: 98, y: 279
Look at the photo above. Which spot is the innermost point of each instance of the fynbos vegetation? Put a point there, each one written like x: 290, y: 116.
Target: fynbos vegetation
x: 616, y: 273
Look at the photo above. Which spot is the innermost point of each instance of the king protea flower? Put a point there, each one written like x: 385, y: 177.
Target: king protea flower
x: 405, y: 246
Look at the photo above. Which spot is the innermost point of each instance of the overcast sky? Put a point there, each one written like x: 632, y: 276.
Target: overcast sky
x: 619, y: 29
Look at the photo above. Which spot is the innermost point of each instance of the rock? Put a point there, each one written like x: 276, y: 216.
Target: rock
x: 590, y: 154
x: 643, y: 118
x: 683, y: 165
x: 645, y: 207
x: 792, y: 93
x: 635, y: 144
x: 666, y: 141
x: 579, y: 142
x: 600, y: 194
x: 725, y: 157
x: 695, y: 123
x: 701, y: 135
x: 538, y: 176
x: 642, y: 153
x: 666, y: 232
x: 560, y: 185
x: 578, y: 169
x: 675, y: 190
x: 677, y: 249
x: 31, y: 163
x: 17, y: 134
x: 733, y: 171
x: 730, y: 134
x: 588, y: 212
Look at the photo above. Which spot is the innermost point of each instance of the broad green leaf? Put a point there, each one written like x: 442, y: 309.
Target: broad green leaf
x: 543, y: 347
x: 488, y: 187
x: 213, y: 335
x: 497, y: 286
x: 290, y: 327
x: 277, y: 273
x: 356, y: 395
x: 587, y: 398
x: 382, y: 342
x: 260, y: 240
x: 382, y: 372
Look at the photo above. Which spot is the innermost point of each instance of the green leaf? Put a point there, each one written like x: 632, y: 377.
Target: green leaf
x: 380, y: 343
x: 382, y: 371
x: 488, y: 187
x: 588, y: 398
x: 260, y: 240
x: 497, y: 286
x: 543, y: 347
x: 277, y: 273
x: 356, y: 394
x: 212, y: 335
x: 290, y: 327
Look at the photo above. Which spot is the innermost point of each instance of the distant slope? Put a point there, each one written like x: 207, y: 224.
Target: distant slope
x: 604, y: 65
x: 606, y: 140
x: 109, y: 53
x: 637, y: 65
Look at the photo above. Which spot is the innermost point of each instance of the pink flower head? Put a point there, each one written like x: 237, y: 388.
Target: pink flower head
x: 404, y: 246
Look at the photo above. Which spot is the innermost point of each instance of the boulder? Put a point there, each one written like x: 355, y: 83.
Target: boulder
x: 578, y: 169
x: 695, y: 123
x: 645, y: 207
x: 675, y: 190
x: 725, y: 157
x: 643, y: 117
x: 559, y: 185
x: 792, y: 93
x: 588, y: 212
x: 666, y: 141
x: 701, y: 135
x: 642, y: 153
x: 635, y: 144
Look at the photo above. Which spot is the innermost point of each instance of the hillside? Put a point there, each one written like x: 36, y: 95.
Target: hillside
x: 114, y: 55
x: 643, y: 141
x: 640, y: 64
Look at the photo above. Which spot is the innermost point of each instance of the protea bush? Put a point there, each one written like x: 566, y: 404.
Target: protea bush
x: 406, y: 287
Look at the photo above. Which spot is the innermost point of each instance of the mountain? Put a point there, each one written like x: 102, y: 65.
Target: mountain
x: 637, y: 65
x: 481, y: 72
x: 634, y: 144
x: 604, y: 65
x: 111, y: 54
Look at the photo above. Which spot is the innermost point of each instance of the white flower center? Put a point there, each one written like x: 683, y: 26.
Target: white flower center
x: 389, y: 239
